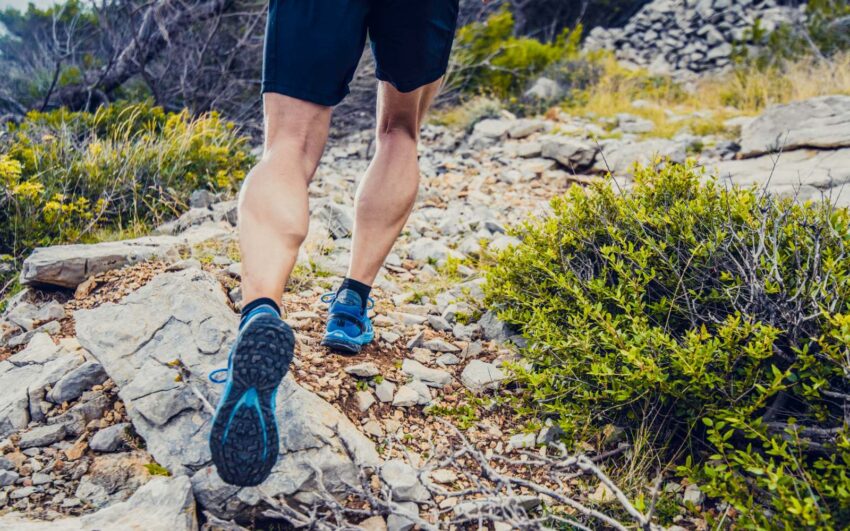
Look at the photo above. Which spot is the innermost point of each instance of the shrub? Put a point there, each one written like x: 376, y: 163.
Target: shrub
x: 715, y: 319
x: 65, y: 175
x: 488, y: 58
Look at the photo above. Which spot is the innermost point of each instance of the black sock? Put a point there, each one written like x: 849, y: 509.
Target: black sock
x: 357, y: 287
x: 256, y: 303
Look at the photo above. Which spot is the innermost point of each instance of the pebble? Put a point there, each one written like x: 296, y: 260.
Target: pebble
x: 365, y: 399
x: 522, y: 440
x: 438, y: 345
x: 109, y: 439
x: 7, y: 477
x: 363, y: 370
x: 385, y: 391
x: 431, y: 377
x: 42, y: 436
x: 478, y: 376
x: 22, y: 492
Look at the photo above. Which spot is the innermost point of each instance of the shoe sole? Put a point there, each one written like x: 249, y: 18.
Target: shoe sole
x: 341, y: 346
x: 244, y: 436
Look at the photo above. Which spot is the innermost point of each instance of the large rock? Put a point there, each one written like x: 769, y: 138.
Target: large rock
x: 619, y: 157
x: 801, y: 173
x: 822, y: 122
x: 570, y: 152
x: 162, y: 504
x: 68, y: 265
x: 182, y: 320
x: 25, y: 375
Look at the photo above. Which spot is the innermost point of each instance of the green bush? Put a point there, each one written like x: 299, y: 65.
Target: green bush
x: 66, y: 175
x: 715, y: 319
x: 490, y: 59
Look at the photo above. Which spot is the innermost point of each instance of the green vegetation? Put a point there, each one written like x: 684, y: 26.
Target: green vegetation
x: 72, y: 176
x: 711, y: 324
x: 491, y: 59
x: 155, y: 469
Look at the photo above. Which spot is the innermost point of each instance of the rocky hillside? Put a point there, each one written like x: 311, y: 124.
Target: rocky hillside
x: 104, y: 398
x: 690, y: 36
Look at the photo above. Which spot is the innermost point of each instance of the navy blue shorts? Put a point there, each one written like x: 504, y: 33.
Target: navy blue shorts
x: 313, y: 46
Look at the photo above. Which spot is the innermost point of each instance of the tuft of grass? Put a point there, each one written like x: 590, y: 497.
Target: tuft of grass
x: 155, y: 469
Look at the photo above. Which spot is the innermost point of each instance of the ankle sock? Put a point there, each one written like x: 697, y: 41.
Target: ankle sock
x: 357, y: 287
x: 257, y: 303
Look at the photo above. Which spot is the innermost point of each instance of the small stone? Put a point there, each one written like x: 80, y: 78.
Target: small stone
x: 375, y: 523
x: 478, y: 376
x: 396, y: 521
x: 522, y: 440
x: 390, y: 337
x: 422, y: 355
x: 41, y: 479
x: 444, y: 476
x: 439, y: 323
x: 431, y: 377
x: 447, y: 359
x: 416, y: 341
x: 109, y: 439
x: 23, y: 492
x: 81, y: 379
x: 42, y: 436
x: 7, y: 477
x: 385, y: 391
x: 6, y: 464
x: 406, y: 396
x: 363, y: 370
x: 438, y: 345
x: 365, y: 399
x: 694, y: 495
x: 373, y: 427
x: 549, y: 434
x: 403, y: 481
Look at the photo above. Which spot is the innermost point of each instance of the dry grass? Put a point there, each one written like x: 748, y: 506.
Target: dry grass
x: 750, y: 90
x: 703, y: 106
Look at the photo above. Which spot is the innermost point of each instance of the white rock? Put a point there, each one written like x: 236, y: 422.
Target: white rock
x: 478, y: 376
x: 385, y: 391
x: 363, y: 370
x: 403, y: 481
x: 431, y: 377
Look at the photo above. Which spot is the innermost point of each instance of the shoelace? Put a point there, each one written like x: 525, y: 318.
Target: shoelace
x: 214, y: 379
x: 329, y: 297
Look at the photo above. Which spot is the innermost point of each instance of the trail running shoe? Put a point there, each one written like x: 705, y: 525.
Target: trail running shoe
x: 244, y: 437
x: 349, y: 326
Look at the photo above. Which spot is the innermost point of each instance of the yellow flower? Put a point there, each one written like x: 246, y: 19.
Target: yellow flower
x: 28, y: 189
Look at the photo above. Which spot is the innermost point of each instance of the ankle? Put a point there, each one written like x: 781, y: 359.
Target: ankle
x: 361, y: 289
x: 263, y: 304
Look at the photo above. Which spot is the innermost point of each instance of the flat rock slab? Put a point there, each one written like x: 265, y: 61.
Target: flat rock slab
x: 162, y: 504
x: 182, y: 319
x: 68, y: 265
x: 788, y: 172
x: 822, y: 122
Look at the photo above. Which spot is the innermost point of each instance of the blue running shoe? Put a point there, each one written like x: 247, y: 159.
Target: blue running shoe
x: 244, y: 437
x: 349, y: 326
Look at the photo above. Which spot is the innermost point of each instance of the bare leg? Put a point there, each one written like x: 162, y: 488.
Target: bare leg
x: 273, y: 211
x: 387, y: 192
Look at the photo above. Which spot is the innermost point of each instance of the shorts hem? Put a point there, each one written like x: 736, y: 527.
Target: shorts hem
x: 410, y: 86
x: 303, y: 94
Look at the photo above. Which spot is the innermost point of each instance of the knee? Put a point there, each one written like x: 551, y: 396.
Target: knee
x: 400, y: 133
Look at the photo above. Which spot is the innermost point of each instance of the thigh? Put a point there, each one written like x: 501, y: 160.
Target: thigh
x: 312, y: 47
x: 412, y: 40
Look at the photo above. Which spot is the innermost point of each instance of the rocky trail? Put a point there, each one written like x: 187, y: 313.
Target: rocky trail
x: 104, y: 397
